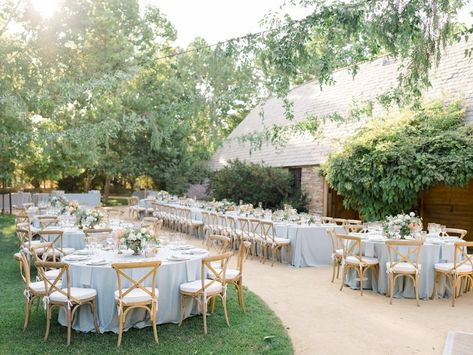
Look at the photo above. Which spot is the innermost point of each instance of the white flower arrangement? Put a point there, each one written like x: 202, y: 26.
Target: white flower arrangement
x: 134, y: 239
x: 73, y: 207
x: 402, y: 226
x: 163, y: 195
x: 89, y: 218
x: 246, y: 208
x: 58, y: 201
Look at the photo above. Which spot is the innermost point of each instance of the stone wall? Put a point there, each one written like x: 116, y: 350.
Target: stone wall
x: 313, y: 184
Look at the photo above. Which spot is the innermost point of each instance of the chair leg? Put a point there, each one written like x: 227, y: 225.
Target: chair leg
x: 416, y: 285
x: 213, y: 301
x: 182, y: 309
x: 204, y: 313
x: 48, y: 321
x: 434, y: 291
x: 344, y: 272
x: 361, y: 280
x: 274, y: 251
x: 392, y: 279
x: 239, y: 288
x: 121, y: 320
x: 94, y: 314
x: 153, y: 321
x: 29, y: 302
x: 334, y: 265
x: 224, y: 305
x: 454, y: 289
x: 69, y: 325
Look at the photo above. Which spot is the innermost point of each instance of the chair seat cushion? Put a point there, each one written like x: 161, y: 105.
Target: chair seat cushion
x: 194, y: 286
x: 402, y: 268
x: 230, y: 274
x: 365, y: 260
x: 137, y: 295
x: 339, y: 252
x: 77, y: 292
x: 447, y: 267
x: 37, y: 286
x: 282, y: 241
x: 52, y: 274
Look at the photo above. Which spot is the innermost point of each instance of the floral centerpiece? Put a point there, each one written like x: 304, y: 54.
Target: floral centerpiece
x: 59, y: 201
x: 135, y: 239
x: 402, y: 226
x: 163, y: 195
x: 88, y: 218
x: 246, y: 209
x: 223, y: 206
x: 73, y: 207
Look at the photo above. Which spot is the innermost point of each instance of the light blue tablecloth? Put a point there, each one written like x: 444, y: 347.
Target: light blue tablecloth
x: 103, y: 278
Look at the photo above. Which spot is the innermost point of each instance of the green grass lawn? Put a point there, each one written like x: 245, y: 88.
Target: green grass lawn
x: 114, y: 201
x: 258, y: 331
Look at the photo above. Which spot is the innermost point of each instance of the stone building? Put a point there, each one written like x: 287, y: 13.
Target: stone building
x: 303, y: 154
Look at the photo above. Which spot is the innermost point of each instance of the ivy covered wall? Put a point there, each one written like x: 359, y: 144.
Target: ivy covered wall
x: 385, y: 167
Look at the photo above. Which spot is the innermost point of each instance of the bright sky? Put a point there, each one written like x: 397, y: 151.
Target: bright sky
x: 218, y: 20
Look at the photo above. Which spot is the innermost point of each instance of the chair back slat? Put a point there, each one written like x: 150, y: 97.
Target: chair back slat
x: 137, y: 284
x: 218, y: 274
x: 397, y: 253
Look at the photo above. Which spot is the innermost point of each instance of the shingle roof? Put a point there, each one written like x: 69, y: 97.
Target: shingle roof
x: 453, y: 77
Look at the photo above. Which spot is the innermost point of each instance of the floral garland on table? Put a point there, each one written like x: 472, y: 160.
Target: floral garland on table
x: 134, y: 238
x: 88, y: 218
x: 402, y: 226
x: 163, y: 195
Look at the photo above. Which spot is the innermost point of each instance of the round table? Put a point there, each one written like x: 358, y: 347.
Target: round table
x: 432, y: 252
x: 171, y: 274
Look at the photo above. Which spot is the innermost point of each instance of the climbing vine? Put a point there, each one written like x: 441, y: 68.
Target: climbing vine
x: 384, y: 168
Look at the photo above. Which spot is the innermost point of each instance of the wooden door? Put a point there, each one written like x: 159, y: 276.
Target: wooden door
x: 450, y: 206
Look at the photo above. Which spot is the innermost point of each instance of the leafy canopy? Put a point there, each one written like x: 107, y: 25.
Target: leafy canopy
x: 384, y: 168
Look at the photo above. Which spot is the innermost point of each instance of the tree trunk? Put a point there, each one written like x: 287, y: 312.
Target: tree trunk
x: 106, y: 188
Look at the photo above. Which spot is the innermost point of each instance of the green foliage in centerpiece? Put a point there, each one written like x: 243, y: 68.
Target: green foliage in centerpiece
x: 88, y: 218
x: 135, y: 239
x: 384, y: 168
x: 402, y: 226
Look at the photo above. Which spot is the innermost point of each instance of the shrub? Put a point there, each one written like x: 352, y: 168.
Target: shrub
x: 252, y: 183
x: 384, y: 168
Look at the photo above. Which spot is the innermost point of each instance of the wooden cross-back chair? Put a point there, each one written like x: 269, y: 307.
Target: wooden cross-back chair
x: 326, y: 220
x: 207, y: 288
x: 21, y: 216
x: 232, y: 229
x: 69, y: 298
x: 354, y: 228
x: 454, y: 232
x: 221, y: 220
x: 235, y: 276
x: 339, y: 221
x: 353, y: 222
x: 153, y: 223
x: 271, y: 240
x: 47, y: 221
x: 33, y: 290
x: 137, y: 295
x: 458, y: 272
x: 56, y: 237
x: 255, y: 236
x: 353, y: 259
x: 99, y: 235
x: 133, y: 208
x: 25, y: 236
x: 221, y: 243
x: 337, y: 252
x: 403, y: 263
x: 113, y: 213
x: 207, y: 226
